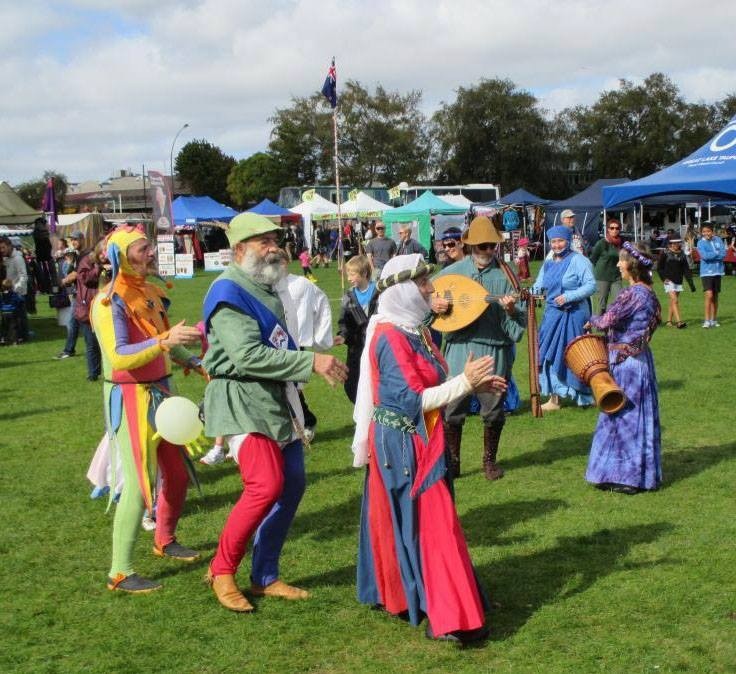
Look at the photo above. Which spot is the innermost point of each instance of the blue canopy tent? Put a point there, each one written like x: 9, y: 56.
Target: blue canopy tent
x: 587, y: 206
x: 193, y: 210
x: 521, y: 197
x: 709, y: 171
x: 271, y: 210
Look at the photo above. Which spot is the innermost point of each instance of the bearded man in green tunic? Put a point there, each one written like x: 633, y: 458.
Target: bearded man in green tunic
x: 252, y: 401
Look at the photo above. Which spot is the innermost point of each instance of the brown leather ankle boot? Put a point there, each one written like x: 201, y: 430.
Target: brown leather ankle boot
x: 227, y: 592
x: 453, y: 440
x: 491, y: 437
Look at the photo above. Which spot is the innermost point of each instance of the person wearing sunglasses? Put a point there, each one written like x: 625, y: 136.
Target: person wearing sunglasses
x: 493, y: 333
x: 380, y: 250
x: 604, y: 258
x: 452, y: 246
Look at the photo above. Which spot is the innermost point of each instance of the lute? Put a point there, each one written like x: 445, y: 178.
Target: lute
x: 468, y: 299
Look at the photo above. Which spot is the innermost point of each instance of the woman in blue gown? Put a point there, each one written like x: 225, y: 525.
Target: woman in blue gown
x: 625, y: 456
x: 567, y: 280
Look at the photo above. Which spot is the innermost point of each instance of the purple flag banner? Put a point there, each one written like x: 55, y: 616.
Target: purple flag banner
x: 161, y: 200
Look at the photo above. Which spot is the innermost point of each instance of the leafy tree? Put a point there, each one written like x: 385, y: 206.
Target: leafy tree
x: 32, y: 191
x: 255, y: 178
x: 382, y: 138
x: 494, y: 132
x: 699, y: 123
x: 565, y: 175
x: 634, y: 130
x: 301, y: 141
x: 724, y: 111
x: 204, y: 168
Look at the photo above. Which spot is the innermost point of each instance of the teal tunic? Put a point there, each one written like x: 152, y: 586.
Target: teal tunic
x: 235, y: 350
x: 494, y: 332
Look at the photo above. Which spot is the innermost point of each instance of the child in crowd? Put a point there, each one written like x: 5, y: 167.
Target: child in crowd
x: 357, y: 306
x: 672, y: 268
x: 522, y: 259
x: 305, y: 260
x: 712, y: 252
x: 11, y: 307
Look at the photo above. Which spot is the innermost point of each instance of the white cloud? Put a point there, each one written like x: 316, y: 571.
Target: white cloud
x: 86, y: 101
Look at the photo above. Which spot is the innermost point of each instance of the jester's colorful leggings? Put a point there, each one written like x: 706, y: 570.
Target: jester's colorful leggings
x: 130, y: 508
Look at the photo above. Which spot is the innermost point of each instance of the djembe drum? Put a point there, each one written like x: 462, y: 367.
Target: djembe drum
x: 587, y: 357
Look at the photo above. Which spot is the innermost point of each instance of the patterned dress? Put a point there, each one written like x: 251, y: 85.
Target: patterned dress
x: 412, y: 554
x: 626, y: 445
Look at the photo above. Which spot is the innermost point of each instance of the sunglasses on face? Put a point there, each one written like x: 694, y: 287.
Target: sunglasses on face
x: 449, y: 244
x: 485, y: 246
x: 380, y: 229
x: 614, y: 228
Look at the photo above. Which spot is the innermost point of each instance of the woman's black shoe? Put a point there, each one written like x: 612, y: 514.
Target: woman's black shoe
x: 624, y: 489
x: 459, y: 637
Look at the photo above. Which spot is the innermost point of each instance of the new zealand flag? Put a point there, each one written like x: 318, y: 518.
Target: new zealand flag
x: 329, y: 88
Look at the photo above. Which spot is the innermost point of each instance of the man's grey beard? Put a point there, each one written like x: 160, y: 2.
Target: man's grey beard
x: 482, y: 259
x: 266, y: 271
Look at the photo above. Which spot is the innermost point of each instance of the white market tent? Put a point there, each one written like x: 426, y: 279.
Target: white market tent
x: 363, y: 206
x: 317, y: 205
x: 456, y: 200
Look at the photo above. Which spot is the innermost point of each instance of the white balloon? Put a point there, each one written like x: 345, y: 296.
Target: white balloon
x: 177, y: 420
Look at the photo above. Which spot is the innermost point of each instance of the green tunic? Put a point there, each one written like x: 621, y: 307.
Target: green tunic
x: 604, y: 258
x: 494, y: 332
x: 236, y: 350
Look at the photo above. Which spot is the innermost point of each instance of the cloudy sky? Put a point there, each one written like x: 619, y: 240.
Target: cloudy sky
x: 94, y: 86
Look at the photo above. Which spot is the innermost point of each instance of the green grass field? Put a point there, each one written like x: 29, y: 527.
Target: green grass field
x: 585, y: 581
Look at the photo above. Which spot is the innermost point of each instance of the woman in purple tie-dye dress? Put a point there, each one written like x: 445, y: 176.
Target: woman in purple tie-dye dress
x: 625, y: 455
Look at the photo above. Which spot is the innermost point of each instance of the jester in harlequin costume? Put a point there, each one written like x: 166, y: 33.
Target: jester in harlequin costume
x: 138, y: 346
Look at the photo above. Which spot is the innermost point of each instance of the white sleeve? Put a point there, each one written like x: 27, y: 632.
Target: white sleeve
x: 21, y: 284
x: 322, y: 322
x: 292, y: 324
x: 439, y: 396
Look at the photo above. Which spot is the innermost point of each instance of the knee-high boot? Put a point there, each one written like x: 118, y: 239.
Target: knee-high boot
x: 491, y: 437
x: 453, y: 439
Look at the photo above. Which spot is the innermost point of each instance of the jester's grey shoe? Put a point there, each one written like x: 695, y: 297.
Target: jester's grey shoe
x: 133, y: 584
x: 175, y: 550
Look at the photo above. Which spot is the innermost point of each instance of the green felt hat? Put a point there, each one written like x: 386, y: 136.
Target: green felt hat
x: 248, y: 225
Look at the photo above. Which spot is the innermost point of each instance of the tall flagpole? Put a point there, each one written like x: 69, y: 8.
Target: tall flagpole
x: 340, y: 251
x: 329, y: 91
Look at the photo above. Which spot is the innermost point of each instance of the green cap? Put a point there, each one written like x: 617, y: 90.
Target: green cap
x: 246, y: 225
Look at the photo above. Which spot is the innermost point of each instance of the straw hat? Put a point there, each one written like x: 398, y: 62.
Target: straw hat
x: 481, y: 230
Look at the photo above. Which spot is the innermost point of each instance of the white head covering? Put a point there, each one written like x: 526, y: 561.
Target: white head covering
x: 402, y: 305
